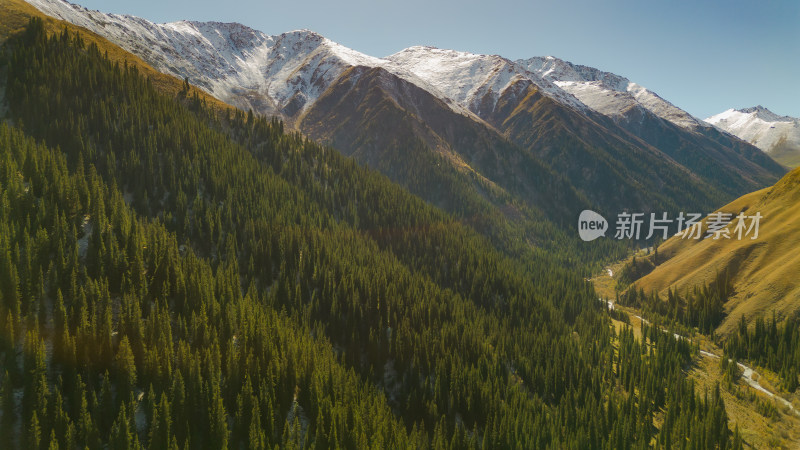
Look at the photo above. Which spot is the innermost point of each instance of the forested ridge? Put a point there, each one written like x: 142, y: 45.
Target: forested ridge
x: 770, y: 345
x: 170, y: 278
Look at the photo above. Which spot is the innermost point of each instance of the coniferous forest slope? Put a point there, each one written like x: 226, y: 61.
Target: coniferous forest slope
x: 174, y: 276
x: 739, y: 298
x: 476, y: 135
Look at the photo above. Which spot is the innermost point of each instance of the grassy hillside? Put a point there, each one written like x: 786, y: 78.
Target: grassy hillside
x: 765, y: 272
x: 786, y: 154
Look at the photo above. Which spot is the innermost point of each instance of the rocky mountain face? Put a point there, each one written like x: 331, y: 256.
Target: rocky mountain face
x: 543, y: 133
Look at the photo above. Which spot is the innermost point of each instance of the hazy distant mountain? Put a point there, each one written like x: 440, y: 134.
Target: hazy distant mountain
x: 777, y: 135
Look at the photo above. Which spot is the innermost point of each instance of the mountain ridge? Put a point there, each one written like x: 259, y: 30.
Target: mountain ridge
x: 778, y: 136
x: 375, y: 282
x: 397, y: 63
x: 286, y: 75
x: 592, y: 86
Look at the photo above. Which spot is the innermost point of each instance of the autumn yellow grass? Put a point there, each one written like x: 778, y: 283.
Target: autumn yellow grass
x: 781, y: 430
x: 765, y: 272
x: 743, y: 404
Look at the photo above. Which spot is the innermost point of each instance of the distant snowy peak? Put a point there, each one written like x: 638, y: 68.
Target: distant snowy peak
x: 605, y: 92
x: 762, y: 128
x: 468, y: 78
x: 556, y: 69
x: 766, y: 115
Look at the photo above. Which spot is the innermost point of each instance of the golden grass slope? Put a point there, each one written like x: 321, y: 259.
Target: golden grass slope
x: 14, y: 15
x: 765, y: 272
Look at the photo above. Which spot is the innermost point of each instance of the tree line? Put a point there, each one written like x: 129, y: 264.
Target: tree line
x: 171, y: 278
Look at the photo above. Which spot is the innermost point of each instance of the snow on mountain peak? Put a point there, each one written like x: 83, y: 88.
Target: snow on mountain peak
x: 606, y: 92
x: 456, y: 75
x: 765, y: 114
x: 467, y: 78
x: 286, y: 73
x: 760, y: 127
x: 233, y: 62
x: 281, y: 74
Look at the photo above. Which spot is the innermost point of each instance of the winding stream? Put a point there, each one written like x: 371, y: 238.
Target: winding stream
x: 750, y: 376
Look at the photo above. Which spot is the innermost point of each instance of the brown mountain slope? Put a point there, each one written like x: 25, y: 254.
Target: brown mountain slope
x: 765, y: 272
x: 610, y: 166
x: 401, y: 129
x: 440, y: 176
x: 373, y: 115
x: 660, y: 158
x: 524, y: 143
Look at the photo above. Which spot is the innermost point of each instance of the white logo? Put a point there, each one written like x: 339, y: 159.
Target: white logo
x: 591, y: 225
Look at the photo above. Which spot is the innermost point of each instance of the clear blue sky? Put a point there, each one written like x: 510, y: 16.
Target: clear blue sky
x: 705, y: 56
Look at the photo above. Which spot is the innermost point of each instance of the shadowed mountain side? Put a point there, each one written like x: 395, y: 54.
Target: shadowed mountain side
x: 412, y: 136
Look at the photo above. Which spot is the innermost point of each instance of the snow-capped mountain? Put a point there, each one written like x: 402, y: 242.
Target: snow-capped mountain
x: 518, y: 127
x: 605, y: 92
x: 468, y: 78
x: 284, y: 74
x: 777, y: 135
